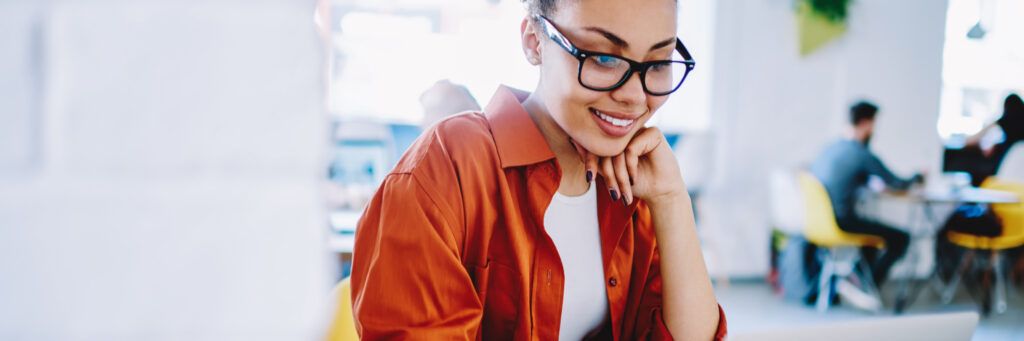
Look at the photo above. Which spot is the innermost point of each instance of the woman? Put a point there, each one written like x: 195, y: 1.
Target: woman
x: 537, y: 219
x: 1012, y: 125
x: 983, y: 159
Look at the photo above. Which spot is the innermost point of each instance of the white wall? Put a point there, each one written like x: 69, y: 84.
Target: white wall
x: 163, y: 185
x: 20, y: 23
x: 772, y: 108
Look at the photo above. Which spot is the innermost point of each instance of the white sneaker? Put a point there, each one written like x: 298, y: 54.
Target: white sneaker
x: 858, y: 298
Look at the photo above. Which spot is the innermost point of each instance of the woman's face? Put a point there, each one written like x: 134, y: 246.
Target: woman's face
x: 603, y: 122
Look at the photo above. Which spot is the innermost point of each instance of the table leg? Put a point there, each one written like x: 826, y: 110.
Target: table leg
x: 905, y: 294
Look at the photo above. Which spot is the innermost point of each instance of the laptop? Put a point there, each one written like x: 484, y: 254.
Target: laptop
x: 926, y: 327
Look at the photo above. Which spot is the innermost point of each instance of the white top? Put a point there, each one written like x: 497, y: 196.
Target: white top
x: 572, y: 224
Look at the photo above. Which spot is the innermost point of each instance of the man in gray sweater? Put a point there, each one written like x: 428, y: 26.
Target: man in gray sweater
x: 844, y: 167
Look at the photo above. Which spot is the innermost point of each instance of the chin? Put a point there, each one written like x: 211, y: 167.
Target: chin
x: 605, y: 146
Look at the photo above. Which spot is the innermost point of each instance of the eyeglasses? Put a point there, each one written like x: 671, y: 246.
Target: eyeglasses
x: 607, y: 72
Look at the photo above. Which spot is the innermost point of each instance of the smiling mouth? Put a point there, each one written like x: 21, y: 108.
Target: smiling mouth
x: 618, y: 122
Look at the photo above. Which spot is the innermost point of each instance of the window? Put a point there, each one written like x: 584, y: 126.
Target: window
x: 980, y: 70
x: 386, y: 55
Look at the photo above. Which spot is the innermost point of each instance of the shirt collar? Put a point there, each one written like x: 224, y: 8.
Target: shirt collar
x: 516, y: 136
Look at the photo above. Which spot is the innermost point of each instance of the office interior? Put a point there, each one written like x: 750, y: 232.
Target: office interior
x: 196, y: 170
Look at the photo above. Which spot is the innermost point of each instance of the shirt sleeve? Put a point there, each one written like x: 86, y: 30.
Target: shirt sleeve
x: 650, y: 324
x: 877, y: 168
x: 407, y: 278
x: 1012, y: 125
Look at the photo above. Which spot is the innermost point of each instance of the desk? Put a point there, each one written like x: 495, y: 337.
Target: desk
x: 964, y: 196
x: 927, y: 224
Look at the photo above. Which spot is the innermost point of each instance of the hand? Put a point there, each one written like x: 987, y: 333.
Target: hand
x: 988, y: 151
x: 646, y: 169
x: 919, y: 177
x: 973, y: 142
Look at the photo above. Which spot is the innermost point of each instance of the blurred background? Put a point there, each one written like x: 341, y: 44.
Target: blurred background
x: 195, y: 170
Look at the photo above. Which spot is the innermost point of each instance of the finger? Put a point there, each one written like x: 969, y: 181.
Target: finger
x: 622, y: 177
x: 585, y: 157
x: 632, y: 163
x: 608, y: 172
x: 579, y: 150
x: 589, y: 160
x: 590, y: 163
x: 647, y: 141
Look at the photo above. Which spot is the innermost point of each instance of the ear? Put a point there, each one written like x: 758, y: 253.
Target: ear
x: 531, y: 41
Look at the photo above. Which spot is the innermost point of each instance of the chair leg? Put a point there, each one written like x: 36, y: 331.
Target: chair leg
x: 825, y: 284
x: 869, y: 279
x: 950, y: 289
x: 1013, y: 272
x: 1000, y: 289
x: 870, y: 286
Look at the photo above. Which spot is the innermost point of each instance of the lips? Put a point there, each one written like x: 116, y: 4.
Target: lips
x: 612, y: 123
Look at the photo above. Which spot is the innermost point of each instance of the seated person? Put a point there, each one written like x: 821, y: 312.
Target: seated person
x: 494, y: 224
x: 444, y: 99
x: 1011, y: 122
x: 843, y: 167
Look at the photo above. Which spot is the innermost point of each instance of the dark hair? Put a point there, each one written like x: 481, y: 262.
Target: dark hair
x: 1013, y: 104
x: 542, y: 7
x: 862, y: 111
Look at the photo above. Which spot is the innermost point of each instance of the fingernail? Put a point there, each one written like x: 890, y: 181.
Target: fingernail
x: 590, y: 176
x: 615, y: 195
x: 624, y: 201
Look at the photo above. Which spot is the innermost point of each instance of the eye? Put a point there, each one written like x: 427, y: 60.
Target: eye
x: 607, y: 61
x: 660, y: 67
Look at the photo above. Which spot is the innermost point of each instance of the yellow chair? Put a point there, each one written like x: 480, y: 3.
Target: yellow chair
x: 1012, y: 218
x: 343, y: 326
x: 841, y: 249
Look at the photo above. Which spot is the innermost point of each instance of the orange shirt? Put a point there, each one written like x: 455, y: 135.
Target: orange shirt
x: 452, y: 245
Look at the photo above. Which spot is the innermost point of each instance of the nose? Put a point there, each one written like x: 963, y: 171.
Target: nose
x: 631, y: 93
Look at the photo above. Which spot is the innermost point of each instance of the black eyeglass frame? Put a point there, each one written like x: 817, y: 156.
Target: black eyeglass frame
x: 634, y: 66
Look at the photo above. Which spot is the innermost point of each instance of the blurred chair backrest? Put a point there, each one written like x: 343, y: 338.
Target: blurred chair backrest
x: 343, y: 326
x: 1011, y: 215
x: 787, y: 203
x: 1012, y: 166
x: 820, y: 225
x: 819, y: 218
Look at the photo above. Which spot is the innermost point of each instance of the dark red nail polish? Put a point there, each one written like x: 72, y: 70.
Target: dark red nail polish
x: 615, y: 195
x: 590, y: 176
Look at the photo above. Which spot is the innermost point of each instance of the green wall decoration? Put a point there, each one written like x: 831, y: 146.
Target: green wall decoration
x: 819, y: 22
x: 833, y: 10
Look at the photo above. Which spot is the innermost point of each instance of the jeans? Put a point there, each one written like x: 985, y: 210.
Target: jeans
x: 896, y: 242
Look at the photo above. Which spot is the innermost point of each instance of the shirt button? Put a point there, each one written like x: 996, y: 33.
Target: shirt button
x: 613, y: 282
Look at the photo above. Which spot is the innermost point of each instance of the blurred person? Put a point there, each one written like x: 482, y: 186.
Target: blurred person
x: 843, y: 168
x: 1011, y: 122
x: 550, y: 215
x: 444, y: 99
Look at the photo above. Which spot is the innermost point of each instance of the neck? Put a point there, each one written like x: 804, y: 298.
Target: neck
x: 573, y: 180
x: 855, y: 135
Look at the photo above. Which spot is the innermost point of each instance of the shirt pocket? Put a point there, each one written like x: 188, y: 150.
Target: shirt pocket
x: 497, y: 286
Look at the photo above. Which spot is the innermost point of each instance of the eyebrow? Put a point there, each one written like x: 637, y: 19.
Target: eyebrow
x: 622, y: 43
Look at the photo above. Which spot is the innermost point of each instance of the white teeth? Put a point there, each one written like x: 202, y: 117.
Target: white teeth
x: 614, y: 121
